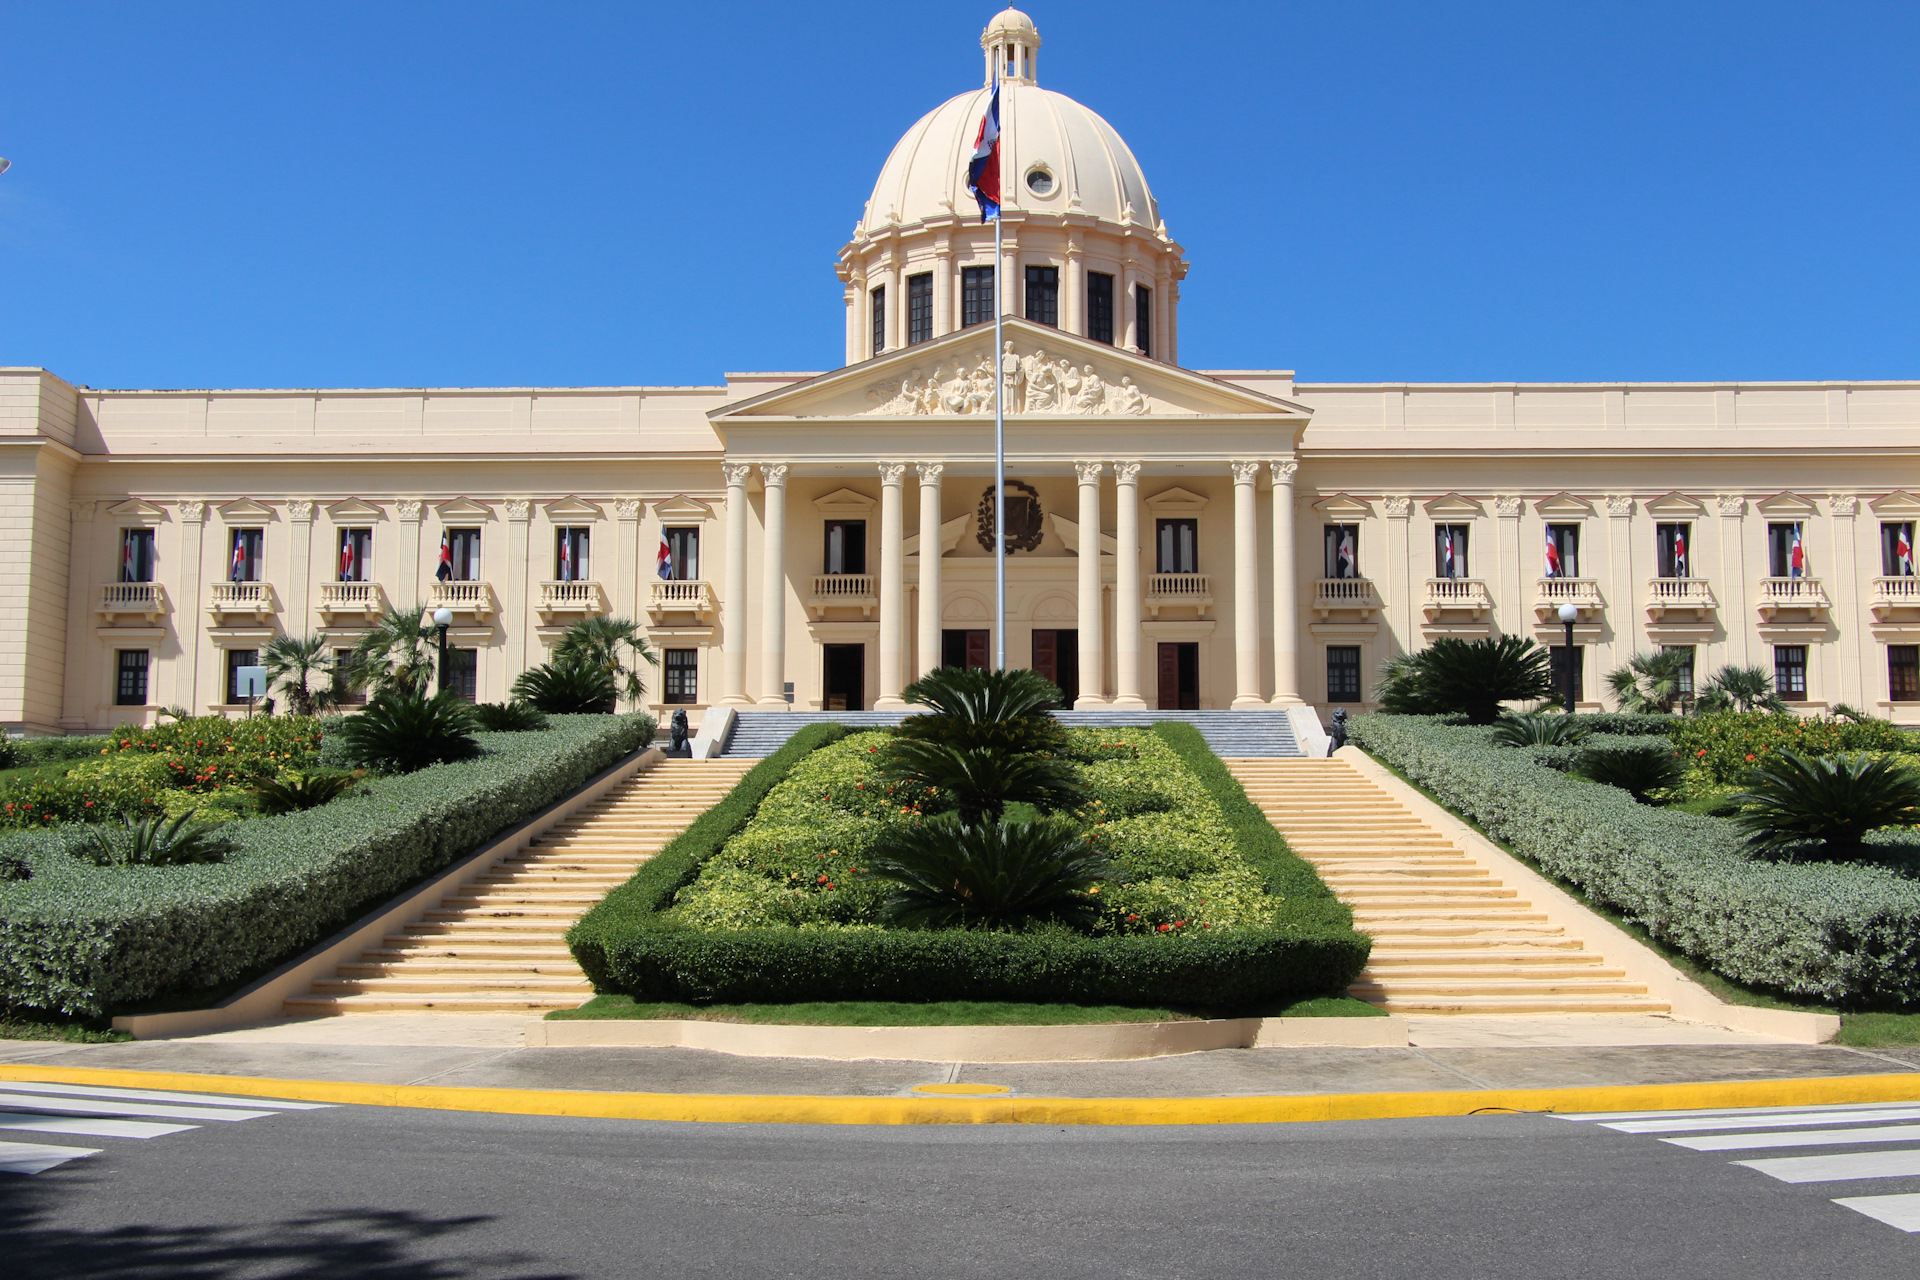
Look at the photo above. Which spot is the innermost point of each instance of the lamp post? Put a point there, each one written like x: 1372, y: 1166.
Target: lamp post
x: 443, y: 618
x: 1568, y: 614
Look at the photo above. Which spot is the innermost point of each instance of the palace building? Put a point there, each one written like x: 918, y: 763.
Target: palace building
x: 1177, y: 538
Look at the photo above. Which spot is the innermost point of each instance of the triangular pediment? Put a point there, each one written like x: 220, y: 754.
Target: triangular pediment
x: 1897, y: 503
x: 950, y: 534
x: 1054, y: 374
x: 1563, y: 504
x: 1176, y: 502
x: 244, y: 510
x: 464, y: 509
x: 1453, y: 504
x: 1344, y: 505
x: 844, y: 504
x: 137, y: 509
x: 354, y: 509
x: 1675, y: 504
x: 1787, y: 504
x: 681, y: 507
x: 572, y: 508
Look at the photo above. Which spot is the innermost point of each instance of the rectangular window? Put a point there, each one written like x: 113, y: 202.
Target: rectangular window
x: 877, y: 307
x: 131, y: 691
x: 1143, y: 320
x: 1685, y: 682
x: 236, y: 659
x: 1100, y: 307
x: 1903, y: 672
x: 1561, y: 655
x: 1043, y: 295
x: 1179, y: 546
x: 683, y: 552
x: 1450, y: 551
x: 1896, y: 549
x: 1562, y: 551
x: 244, y: 556
x: 344, y: 691
x: 572, y: 559
x: 682, y: 676
x: 976, y: 296
x: 1672, y: 550
x: 356, y: 553
x: 1343, y: 673
x: 1786, y: 553
x: 463, y: 673
x: 136, y: 555
x: 1342, y: 550
x: 1790, y: 670
x: 846, y: 546
x: 464, y: 546
x: 920, y: 308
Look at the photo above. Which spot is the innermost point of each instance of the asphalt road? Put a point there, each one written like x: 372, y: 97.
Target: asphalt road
x: 387, y: 1193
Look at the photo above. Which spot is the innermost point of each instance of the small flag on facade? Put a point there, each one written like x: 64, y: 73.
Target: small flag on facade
x: 566, y: 558
x: 1797, y: 563
x: 983, y: 169
x: 347, y: 559
x: 1680, y: 553
x: 126, y: 559
x: 663, y: 560
x: 239, y: 570
x: 1553, y: 555
x: 1903, y: 550
x: 445, y: 571
x: 1349, y: 563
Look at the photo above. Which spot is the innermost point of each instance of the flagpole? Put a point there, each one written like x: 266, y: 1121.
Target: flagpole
x: 999, y: 466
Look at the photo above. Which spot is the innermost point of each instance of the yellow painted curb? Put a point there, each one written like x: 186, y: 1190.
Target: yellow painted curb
x: 1001, y: 1109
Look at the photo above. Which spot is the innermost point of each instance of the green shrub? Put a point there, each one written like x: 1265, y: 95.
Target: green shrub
x: 1724, y: 746
x: 948, y: 873
x: 152, y: 842
x: 571, y: 687
x: 980, y: 710
x: 1471, y: 678
x: 1826, y: 807
x: 1740, y: 689
x: 981, y: 781
x: 1836, y: 932
x: 297, y: 791
x: 1635, y: 766
x: 508, y: 717
x: 84, y: 940
x: 400, y: 732
x: 1539, y: 730
x: 1653, y: 683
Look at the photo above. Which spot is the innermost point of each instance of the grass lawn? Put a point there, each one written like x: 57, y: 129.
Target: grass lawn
x: 1867, y: 1030
x: 50, y: 1029
x: 54, y: 770
x: 944, y: 1013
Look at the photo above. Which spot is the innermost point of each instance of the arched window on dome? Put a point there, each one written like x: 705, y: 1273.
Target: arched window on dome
x: 877, y: 305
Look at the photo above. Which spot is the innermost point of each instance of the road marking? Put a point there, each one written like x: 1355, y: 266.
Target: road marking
x: 1775, y: 1121
x: 1672, y: 1114
x: 1807, y: 1138
x: 32, y: 1157
x: 162, y: 1095
x: 1896, y: 1211
x: 1862, y: 1164
x: 90, y: 1128
x: 107, y: 1107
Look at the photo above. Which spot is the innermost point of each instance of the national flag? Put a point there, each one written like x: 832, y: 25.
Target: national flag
x: 566, y: 558
x: 347, y: 560
x: 663, y: 559
x: 1797, y: 561
x: 1348, y: 562
x: 1680, y: 553
x: 126, y: 559
x: 445, y: 571
x: 983, y: 169
x: 1448, y: 564
x: 239, y: 571
x: 1903, y: 550
x: 1553, y: 555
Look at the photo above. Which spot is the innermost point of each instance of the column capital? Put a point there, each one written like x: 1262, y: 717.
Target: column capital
x: 1245, y: 472
x: 519, y: 509
x: 1283, y: 470
x: 1844, y: 504
x: 1506, y: 506
x: 193, y: 510
x: 1398, y: 506
x: 891, y: 472
x: 1089, y: 472
x: 627, y: 508
x: 1126, y: 472
x: 735, y: 473
x: 300, y: 509
x: 930, y: 472
x: 409, y: 509
x: 1620, y: 505
x: 1733, y: 504
x: 774, y: 474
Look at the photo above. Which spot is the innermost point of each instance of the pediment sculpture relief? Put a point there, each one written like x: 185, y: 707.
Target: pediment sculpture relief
x: 1036, y: 383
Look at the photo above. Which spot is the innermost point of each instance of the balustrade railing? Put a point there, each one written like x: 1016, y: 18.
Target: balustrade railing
x: 1890, y: 594
x: 462, y: 597
x: 1779, y: 594
x: 148, y: 598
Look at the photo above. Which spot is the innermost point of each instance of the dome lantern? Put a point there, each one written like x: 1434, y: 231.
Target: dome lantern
x: 1012, y: 46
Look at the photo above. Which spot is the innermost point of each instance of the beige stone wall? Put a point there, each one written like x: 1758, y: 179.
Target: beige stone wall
x: 37, y: 415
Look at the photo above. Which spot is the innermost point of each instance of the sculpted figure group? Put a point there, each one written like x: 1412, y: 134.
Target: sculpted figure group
x: 1034, y: 384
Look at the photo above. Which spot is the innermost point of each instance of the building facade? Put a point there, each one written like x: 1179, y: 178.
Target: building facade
x: 1176, y: 538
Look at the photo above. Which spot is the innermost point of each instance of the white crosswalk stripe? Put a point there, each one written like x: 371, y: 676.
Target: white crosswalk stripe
x: 1763, y: 1128
x: 33, y: 1106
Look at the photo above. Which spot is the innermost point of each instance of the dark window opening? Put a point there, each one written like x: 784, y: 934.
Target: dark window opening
x: 131, y: 689
x: 236, y: 659
x: 919, y: 308
x: 1683, y: 683
x: 1043, y: 295
x: 682, y: 677
x: 243, y: 559
x: 463, y: 673
x: 1790, y: 670
x: 1903, y: 672
x: 1786, y: 553
x: 1450, y: 551
x: 682, y: 563
x: 1178, y: 549
x: 136, y: 555
x: 344, y: 691
x: 1343, y: 673
x: 1673, y: 550
x: 1056, y: 655
x: 1561, y: 656
x: 976, y: 296
x: 1342, y: 550
x: 356, y: 552
x: 1562, y: 551
x: 1143, y: 319
x: 968, y: 650
x: 846, y: 550
x: 463, y: 549
x: 1100, y: 307
x: 878, y: 308
x: 1896, y: 549
x: 572, y: 555
x: 844, y: 683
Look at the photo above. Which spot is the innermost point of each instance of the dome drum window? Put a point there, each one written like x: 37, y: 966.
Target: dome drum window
x: 1040, y: 181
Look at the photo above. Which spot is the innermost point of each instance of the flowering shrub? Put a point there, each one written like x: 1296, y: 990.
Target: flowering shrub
x: 1723, y: 747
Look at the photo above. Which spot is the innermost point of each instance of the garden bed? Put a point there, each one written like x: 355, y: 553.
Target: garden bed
x: 764, y: 904
x: 85, y: 940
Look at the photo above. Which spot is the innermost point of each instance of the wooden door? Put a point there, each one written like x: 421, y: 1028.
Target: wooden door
x: 1169, y: 699
x: 844, y: 686
x: 1056, y: 655
x: 1179, y: 677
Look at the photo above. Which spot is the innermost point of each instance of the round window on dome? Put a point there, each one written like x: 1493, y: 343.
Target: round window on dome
x: 1040, y: 182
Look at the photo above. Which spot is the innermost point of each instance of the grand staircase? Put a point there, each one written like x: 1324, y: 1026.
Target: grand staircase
x: 1449, y: 936
x: 497, y: 943
x: 1248, y: 734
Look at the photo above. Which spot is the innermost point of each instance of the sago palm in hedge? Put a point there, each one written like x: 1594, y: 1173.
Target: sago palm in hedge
x: 567, y: 687
x: 1652, y: 683
x: 154, y: 842
x: 1825, y: 806
x: 982, y: 780
x: 301, y: 669
x: 1539, y: 731
x: 1454, y: 677
x: 614, y: 645
x: 1637, y: 770
x: 978, y: 709
x: 401, y: 732
x: 508, y: 717
x: 1002, y: 874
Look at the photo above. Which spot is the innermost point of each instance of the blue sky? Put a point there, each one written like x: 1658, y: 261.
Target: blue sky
x: 408, y: 194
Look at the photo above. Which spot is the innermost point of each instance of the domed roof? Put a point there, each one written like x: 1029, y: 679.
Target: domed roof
x: 1083, y: 165
x: 1011, y: 22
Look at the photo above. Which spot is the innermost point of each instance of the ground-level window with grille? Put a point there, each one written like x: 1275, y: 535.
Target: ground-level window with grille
x: 682, y: 673
x: 1790, y: 671
x: 1903, y: 672
x: 463, y: 673
x: 131, y: 691
x: 1343, y: 673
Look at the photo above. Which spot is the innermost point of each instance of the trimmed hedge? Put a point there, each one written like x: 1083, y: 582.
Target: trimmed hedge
x: 625, y: 944
x: 1844, y: 933
x: 84, y: 941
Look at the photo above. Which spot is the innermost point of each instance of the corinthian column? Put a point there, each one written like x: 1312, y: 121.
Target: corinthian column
x: 1092, y: 663
x: 1126, y: 586
x: 1246, y: 586
x: 930, y: 613
x: 733, y: 604
x: 892, y: 563
x: 773, y: 589
x: 1286, y: 592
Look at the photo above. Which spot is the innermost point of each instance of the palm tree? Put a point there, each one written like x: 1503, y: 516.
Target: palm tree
x: 609, y: 643
x: 302, y: 668
x: 1451, y: 676
x: 1741, y: 689
x: 1825, y: 805
x: 1651, y: 683
x: 397, y: 654
x: 998, y: 710
x: 982, y: 780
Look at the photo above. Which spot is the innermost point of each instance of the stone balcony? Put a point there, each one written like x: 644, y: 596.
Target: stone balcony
x: 1178, y: 591
x: 1582, y: 593
x: 1689, y: 597
x: 1791, y: 595
x: 1331, y: 595
x: 570, y: 601
x: 119, y: 599
x: 472, y: 598
x: 842, y: 591
x: 357, y: 600
x: 1895, y: 597
x: 1453, y: 597
x: 229, y: 600
x: 680, y: 596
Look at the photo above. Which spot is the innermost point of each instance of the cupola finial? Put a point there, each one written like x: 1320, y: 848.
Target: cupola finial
x: 1012, y: 46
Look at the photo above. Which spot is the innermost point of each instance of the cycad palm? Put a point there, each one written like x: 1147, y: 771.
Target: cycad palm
x: 981, y: 780
x: 1651, y: 683
x: 301, y: 667
x: 1794, y: 801
x: 396, y: 655
x: 1741, y: 689
x: 615, y: 646
x: 999, y: 710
